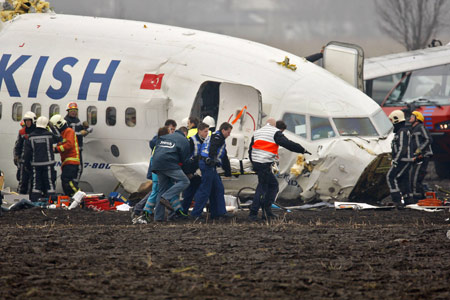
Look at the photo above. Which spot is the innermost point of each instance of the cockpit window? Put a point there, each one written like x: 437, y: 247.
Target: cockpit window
x: 382, y: 122
x: 321, y: 128
x: 355, y: 126
x: 295, y: 123
x: 430, y: 86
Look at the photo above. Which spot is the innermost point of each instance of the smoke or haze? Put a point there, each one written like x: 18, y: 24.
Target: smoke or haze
x: 298, y: 26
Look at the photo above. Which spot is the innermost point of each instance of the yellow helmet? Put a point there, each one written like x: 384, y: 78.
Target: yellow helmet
x: 419, y: 116
x: 397, y: 116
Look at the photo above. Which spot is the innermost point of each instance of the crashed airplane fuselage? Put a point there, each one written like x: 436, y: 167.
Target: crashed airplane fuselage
x: 120, y: 71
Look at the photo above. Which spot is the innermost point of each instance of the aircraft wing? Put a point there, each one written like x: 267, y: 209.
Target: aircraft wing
x: 406, y: 61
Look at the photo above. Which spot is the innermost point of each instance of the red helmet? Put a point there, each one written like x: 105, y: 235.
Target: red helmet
x: 72, y: 105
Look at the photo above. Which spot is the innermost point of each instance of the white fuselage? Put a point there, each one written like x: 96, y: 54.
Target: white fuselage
x: 55, y: 59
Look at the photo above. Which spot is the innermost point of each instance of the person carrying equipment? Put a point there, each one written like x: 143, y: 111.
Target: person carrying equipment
x: 81, y: 130
x: 39, y: 156
x: 70, y: 155
x: 23, y: 175
x: 191, y: 167
x: 213, y: 153
x: 421, y: 154
x: 263, y: 152
x: 397, y: 176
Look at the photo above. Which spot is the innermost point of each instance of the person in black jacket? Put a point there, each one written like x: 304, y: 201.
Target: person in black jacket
x: 39, y: 156
x: 421, y: 153
x: 262, y: 152
x: 171, y: 152
x: 397, y: 176
x: 23, y: 175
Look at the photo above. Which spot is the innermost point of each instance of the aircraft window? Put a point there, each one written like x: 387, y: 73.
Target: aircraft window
x: 54, y: 110
x: 382, y: 122
x: 355, y: 126
x: 111, y: 116
x: 130, y: 117
x: 321, y: 128
x: 37, y: 109
x: 295, y: 123
x: 92, y: 115
x: 17, y: 111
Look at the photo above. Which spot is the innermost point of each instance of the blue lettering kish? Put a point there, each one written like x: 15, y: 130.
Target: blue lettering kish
x: 8, y: 68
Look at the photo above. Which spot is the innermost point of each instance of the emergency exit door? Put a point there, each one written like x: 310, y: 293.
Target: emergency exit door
x: 240, y: 106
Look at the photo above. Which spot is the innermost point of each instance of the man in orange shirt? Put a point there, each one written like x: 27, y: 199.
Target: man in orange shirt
x: 70, y: 155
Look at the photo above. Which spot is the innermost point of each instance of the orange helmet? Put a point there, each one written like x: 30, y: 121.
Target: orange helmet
x: 72, y: 105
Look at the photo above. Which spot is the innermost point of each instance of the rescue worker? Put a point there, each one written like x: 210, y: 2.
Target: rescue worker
x: 81, y: 130
x: 212, y: 124
x: 192, y: 126
x: 23, y: 175
x: 213, y: 154
x: 171, y: 152
x: 421, y: 153
x: 397, y: 176
x: 39, y: 156
x: 70, y: 155
x: 191, y: 167
x: 263, y: 152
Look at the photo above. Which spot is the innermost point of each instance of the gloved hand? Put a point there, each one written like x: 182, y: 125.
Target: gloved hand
x: 307, y: 152
x: 16, y: 160
x: 417, y: 158
x: 85, y: 124
x: 84, y: 132
x: 417, y: 152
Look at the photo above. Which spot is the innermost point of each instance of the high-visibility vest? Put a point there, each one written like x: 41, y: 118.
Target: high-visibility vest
x: 205, y: 147
x: 68, y: 148
x: 264, y: 149
x: 192, y: 132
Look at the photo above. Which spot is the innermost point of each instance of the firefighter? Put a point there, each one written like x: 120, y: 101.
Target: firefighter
x: 421, y: 153
x: 213, y: 154
x: 397, y: 176
x: 191, y: 167
x: 70, y: 155
x: 81, y: 130
x: 263, y: 151
x: 39, y: 157
x: 23, y: 176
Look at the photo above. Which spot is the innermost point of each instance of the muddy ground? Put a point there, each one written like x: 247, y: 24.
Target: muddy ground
x: 57, y: 254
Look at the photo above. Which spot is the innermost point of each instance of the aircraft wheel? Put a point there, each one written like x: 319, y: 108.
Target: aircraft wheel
x: 442, y: 169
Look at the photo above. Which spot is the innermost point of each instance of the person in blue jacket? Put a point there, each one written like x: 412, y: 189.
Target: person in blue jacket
x: 213, y: 153
x: 171, y: 152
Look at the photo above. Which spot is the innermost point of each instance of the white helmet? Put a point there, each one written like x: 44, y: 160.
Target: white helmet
x: 397, y: 116
x: 58, y: 121
x: 210, y: 121
x: 42, y: 122
x: 29, y: 115
x: 184, y: 122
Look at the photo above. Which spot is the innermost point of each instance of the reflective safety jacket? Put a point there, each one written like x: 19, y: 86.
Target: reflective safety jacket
x: 215, y: 148
x: 421, y: 141
x: 20, y: 142
x: 264, y: 145
x: 192, y: 132
x: 76, y: 125
x: 400, y: 143
x: 39, y: 148
x: 264, y: 148
x: 68, y: 148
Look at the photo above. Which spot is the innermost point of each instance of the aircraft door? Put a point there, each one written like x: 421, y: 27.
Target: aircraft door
x: 241, y: 106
